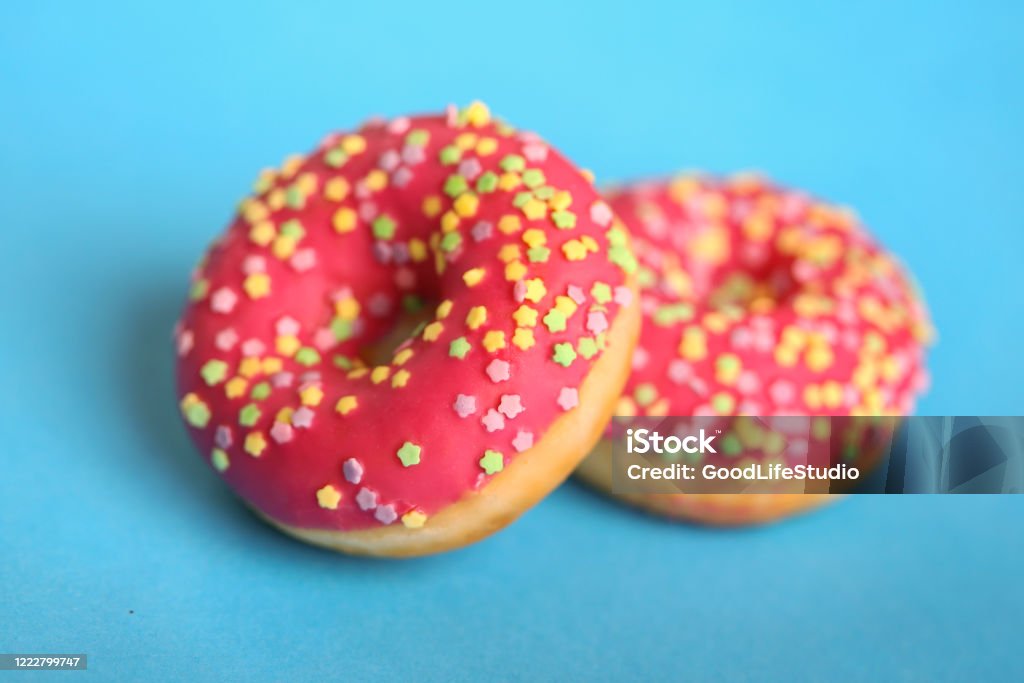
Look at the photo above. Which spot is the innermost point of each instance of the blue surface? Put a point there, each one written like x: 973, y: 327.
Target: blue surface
x: 128, y: 132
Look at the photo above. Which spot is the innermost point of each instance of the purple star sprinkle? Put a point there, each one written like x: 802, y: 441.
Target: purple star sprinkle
x: 353, y: 471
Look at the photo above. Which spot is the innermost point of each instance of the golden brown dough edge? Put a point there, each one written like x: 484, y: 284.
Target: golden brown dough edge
x: 706, y: 508
x: 528, y: 478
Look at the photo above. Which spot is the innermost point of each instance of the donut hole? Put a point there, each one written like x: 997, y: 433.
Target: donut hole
x: 400, y: 329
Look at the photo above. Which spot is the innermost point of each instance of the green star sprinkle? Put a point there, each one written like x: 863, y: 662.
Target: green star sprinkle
x: 219, y: 459
x: 616, y: 237
x: 197, y: 414
x: 731, y: 445
x: 587, y: 347
x: 488, y: 182
x: 533, y: 177
x: 293, y: 228
x: 564, y: 220
x: 513, y: 163
x: 335, y: 158
x: 564, y: 355
x: 199, y: 289
x: 538, y: 254
x: 555, y: 320
x: 341, y: 329
x: 260, y: 391
x: 214, y: 372
x: 450, y: 155
x: 417, y: 138
x: 459, y: 348
x: 520, y: 199
x: 307, y: 356
x: 492, y: 462
x: 601, y: 292
x: 455, y: 185
x: 248, y: 415
x: 645, y: 394
x: 545, y: 193
x: 450, y: 241
x: 409, y: 454
x: 623, y: 258
x: 673, y: 313
x: 383, y: 227
x: 294, y: 197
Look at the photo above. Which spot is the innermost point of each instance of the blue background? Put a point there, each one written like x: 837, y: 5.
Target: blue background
x: 128, y: 132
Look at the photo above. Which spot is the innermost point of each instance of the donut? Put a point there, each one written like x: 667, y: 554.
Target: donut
x: 763, y: 301
x: 410, y: 335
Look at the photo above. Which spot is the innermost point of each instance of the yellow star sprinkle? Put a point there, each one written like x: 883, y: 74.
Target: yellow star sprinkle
x: 432, y: 331
x: 510, y: 225
x: 535, y: 289
x: 494, y: 340
x: 414, y: 519
x: 523, y: 338
x: 257, y: 285
x: 287, y: 345
x: 477, y: 114
x: 328, y: 497
x: 525, y: 316
x: 509, y: 252
x: 235, y: 387
x: 400, y: 379
x: 574, y: 250
x: 255, y: 443
x: 249, y: 367
x: 353, y: 144
x: 515, y: 271
x: 449, y: 221
x: 346, y: 404
x: 565, y: 305
x: 486, y: 147
x: 311, y: 395
x: 262, y: 233
x: 402, y: 356
x: 347, y: 309
x: 380, y: 373
x: 443, y: 309
x: 431, y: 206
x: 270, y: 365
x: 283, y: 247
x: 509, y: 181
x: 534, y: 209
x: 477, y: 316
x: 336, y: 189
x: 344, y: 220
x: 535, y: 237
x: 466, y: 205
x: 417, y: 250
x: 473, y: 276
x: 561, y: 201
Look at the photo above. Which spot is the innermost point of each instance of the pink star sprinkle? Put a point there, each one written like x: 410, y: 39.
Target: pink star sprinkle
x: 493, y: 420
x: 465, y: 405
x: 511, y: 405
x: 353, y: 471
x: 499, y: 370
x: 302, y: 418
x: 282, y: 432
x: 597, y: 322
x: 523, y: 441
x: 366, y: 499
x: 568, y: 398
x: 223, y: 301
